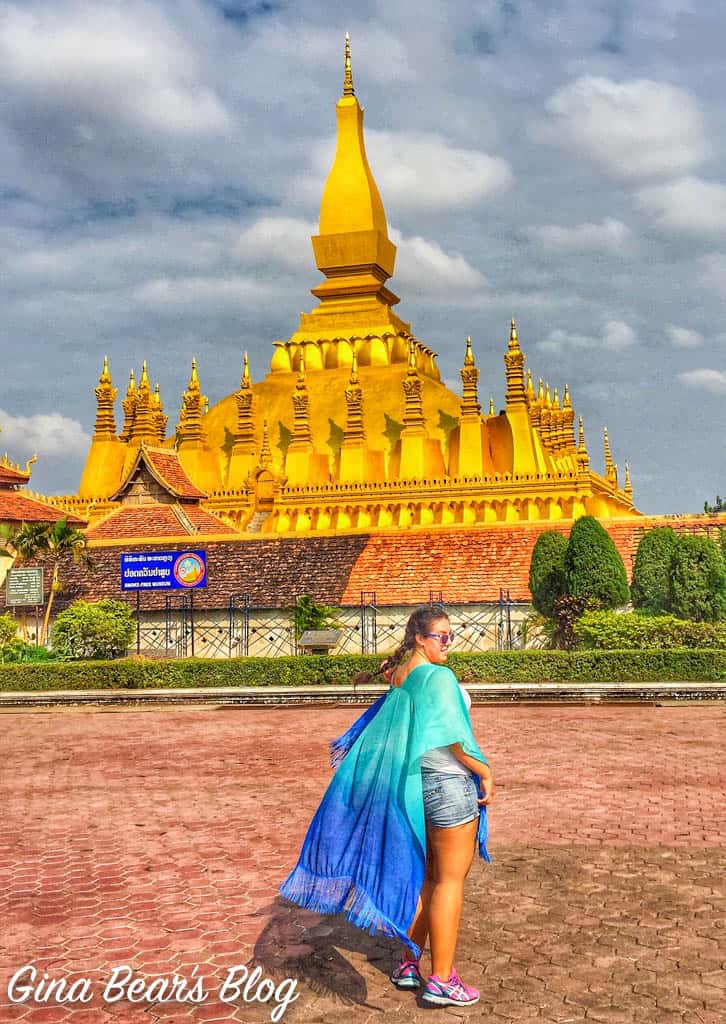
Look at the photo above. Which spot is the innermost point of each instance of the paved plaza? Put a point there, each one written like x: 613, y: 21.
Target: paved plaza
x: 156, y: 840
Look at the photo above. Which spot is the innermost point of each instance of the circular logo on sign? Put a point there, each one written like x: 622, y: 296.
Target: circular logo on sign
x: 189, y: 569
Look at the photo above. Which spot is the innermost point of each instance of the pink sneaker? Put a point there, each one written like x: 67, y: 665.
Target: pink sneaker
x: 407, y: 974
x: 449, y: 993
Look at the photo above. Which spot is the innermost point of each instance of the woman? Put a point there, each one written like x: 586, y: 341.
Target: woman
x: 394, y: 836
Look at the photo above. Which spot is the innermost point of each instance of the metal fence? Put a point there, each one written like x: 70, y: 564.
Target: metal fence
x: 184, y: 629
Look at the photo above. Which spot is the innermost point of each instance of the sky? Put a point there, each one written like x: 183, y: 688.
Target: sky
x: 557, y: 161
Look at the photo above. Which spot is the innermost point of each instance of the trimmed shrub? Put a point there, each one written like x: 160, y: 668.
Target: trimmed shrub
x: 8, y: 629
x: 101, y: 629
x: 547, y: 580
x: 651, y: 586
x: 698, y: 580
x: 593, y: 567
x: 633, y: 631
x: 533, y: 667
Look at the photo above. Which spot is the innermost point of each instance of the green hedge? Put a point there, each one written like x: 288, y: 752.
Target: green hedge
x: 489, y: 667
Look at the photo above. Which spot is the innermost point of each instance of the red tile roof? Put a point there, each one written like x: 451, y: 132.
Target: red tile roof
x: 9, y: 476
x: 16, y: 507
x: 164, y: 466
x: 135, y: 522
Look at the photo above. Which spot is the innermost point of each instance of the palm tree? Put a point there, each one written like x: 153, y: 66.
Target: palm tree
x: 62, y: 541
x: 27, y: 542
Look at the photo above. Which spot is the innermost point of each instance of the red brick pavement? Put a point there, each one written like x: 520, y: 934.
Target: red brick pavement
x: 157, y: 839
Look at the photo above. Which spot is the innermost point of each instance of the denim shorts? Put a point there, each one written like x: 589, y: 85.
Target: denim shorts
x: 449, y: 799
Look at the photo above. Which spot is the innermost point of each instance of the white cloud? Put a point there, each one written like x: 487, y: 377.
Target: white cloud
x: 44, y: 434
x: 610, y: 235
x: 618, y: 335
x: 426, y: 267
x: 632, y: 130
x: 688, y: 206
x: 281, y: 240
x: 684, y: 337
x: 713, y: 272
x: 711, y: 381
x: 615, y: 335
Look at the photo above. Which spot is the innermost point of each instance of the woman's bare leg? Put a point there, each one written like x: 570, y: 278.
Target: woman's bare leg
x: 419, y: 930
x: 452, y: 853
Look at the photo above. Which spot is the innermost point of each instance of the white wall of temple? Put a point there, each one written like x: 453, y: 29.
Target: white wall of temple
x: 270, y: 633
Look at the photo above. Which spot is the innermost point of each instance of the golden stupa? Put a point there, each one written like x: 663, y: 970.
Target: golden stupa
x: 352, y: 428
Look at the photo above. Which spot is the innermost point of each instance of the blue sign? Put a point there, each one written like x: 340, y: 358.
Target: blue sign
x: 163, y: 570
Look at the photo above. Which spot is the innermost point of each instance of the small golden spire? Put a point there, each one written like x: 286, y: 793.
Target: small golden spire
x: 348, y: 89
x: 491, y: 407
x: 194, y: 378
x: 105, y: 377
x: 540, y: 392
x: 530, y: 387
x: 608, y: 455
x: 513, y: 339
x: 144, y: 380
x: 581, y: 432
x: 411, y: 358
x: 265, y: 453
x: 566, y: 403
x: 548, y: 397
x: 468, y: 355
x: 130, y: 390
x: 157, y: 395
x: 246, y: 381
x: 556, y: 400
x: 354, y: 369
x: 628, y: 488
x: 301, y: 371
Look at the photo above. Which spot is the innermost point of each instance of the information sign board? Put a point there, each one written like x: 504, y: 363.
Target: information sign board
x: 24, y: 587
x: 163, y: 570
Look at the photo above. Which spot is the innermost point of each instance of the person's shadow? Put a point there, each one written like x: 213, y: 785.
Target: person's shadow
x: 297, y: 943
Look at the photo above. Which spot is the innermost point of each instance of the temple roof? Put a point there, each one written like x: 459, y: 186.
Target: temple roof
x: 164, y: 466
x: 133, y: 523
x: 12, y: 476
x: 16, y: 507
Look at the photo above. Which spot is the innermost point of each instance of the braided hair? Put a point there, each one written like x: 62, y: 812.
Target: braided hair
x: 419, y: 622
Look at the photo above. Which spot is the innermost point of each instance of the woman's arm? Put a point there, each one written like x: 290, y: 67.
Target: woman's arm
x: 486, y: 782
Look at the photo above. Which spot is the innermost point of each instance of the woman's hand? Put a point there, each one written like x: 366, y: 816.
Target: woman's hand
x: 486, y: 789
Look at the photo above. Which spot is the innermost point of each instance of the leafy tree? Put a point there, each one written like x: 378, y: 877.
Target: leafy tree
x: 651, y: 586
x: 8, y: 629
x: 306, y: 614
x: 104, y: 629
x: 594, y: 569
x: 698, y: 580
x: 547, y: 571
x: 27, y: 542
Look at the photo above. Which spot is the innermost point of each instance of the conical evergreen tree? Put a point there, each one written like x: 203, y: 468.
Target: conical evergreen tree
x: 651, y: 586
x: 594, y: 569
x: 547, y: 580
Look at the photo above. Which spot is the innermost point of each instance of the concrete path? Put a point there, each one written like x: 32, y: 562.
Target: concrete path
x: 157, y: 839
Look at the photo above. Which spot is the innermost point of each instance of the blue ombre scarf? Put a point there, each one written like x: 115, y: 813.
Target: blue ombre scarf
x: 365, y: 851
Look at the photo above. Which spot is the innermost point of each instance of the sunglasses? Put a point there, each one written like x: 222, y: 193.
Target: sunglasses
x: 444, y: 638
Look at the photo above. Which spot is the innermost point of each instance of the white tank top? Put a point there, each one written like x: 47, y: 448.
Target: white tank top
x: 440, y: 759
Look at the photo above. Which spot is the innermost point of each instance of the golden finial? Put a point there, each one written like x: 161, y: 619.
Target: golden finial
x: 144, y: 380
x: 548, y: 397
x: 105, y: 377
x: 246, y: 379
x: 530, y: 386
x: 556, y: 400
x: 540, y: 392
x: 609, y: 464
x: 581, y: 432
x: 468, y: 355
x: 354, y: 368
x: 194, y: 378
x: 491, y: 407
x: 301, y: 371
x: 628, y: 488
x: 513, y: 339
x: 566, y: 403
x: 157, y: 395
x: 132, y: 383
x: 348, y: 89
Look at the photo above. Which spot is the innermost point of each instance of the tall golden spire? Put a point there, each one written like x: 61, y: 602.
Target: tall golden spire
x: 190, y: 429
x: 628, y: 488
x: 413, y: 416
x: 244, y: 437
x: 514, y: 362
x: 348, y: 89
x: 470, y: 407
x: 583, y: 459
x: 105, y: 397
x: 129, y: 407
x: 159, y: 420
